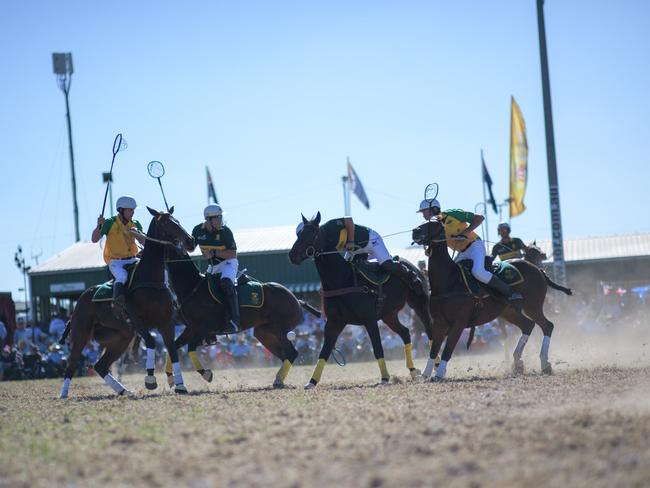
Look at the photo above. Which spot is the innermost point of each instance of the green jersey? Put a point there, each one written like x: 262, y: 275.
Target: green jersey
x: 334, y: 235
x: 513, y: 249
x: 215, y: 240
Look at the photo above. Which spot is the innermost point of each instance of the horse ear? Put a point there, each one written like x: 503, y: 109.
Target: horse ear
x: 535, y: 242
x: 317, y: 219
x: 153, y: 212
x: 304, y: 220
x: 171, y: 210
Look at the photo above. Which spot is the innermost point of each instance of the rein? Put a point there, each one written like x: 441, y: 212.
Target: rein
x: 153, y: 239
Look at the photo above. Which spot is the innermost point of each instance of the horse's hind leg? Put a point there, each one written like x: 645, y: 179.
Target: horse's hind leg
x: 168, y: 338
x: 396, y: 326
x: 114, y: 349
x: 435, y: 343
x: 81, y: 329
x: 192, y: 338
x: 331, y: 333
x: 150, y: 382
x: 378, y: 350
x: 526, y: 325
x: 275, y: 340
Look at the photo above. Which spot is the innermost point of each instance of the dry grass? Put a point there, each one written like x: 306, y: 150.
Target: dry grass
x: 584, y: 426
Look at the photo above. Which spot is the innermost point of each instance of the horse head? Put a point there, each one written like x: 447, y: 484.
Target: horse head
x: 306, y: 237
x: 428, y: 232
x: 534, y: 254
x: 167, y: 228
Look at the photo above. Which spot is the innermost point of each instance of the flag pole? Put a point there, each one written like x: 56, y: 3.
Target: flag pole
x: 346, y: 192
x: 487, y: 225
x: 207, y: 179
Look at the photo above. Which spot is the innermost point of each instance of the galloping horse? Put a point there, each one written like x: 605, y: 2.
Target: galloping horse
x: 347, y: 303
x: 279, y: 313
x: 453, y: 308
x: 148, y: 304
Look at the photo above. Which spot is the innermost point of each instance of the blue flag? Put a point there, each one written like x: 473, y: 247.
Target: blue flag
x: 211, y: 193
x: 488, y: 182
x: 356, y: 186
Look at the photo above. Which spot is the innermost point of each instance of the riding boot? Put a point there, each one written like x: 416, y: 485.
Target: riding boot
x: 504, y: 289
x: 405, y: 274
x: 119, y: 300
x: 232, y: 324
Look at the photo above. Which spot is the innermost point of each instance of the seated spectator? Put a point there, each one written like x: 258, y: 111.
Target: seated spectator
x: 57, y: 325
x: 240, y: 349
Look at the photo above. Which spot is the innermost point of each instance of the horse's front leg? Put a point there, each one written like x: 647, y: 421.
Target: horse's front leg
x: 168, y: 338
x: 438, y: 336
x: 453, y: 336
x: 331, y: 333
x: 150, y: 382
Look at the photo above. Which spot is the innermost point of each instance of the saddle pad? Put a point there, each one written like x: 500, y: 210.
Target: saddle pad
x: 471, y: 284
x: 374, y: 277
x: 251, y: 293
x: 508, y: 273
x: 104, y: 292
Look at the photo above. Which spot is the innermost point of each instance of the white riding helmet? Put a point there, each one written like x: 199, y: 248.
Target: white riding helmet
x: 126, y: 202
x: 212, y: 211
x: 425, y: 204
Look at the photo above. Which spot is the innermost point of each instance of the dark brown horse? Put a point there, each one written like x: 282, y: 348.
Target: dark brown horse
x: 280, y: 313
x: 454, y: 309
x: 348, y: 303
x: 148, y: 304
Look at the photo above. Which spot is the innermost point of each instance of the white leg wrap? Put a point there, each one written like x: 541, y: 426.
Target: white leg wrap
x: 151, y: 359
x: 178, y: 376
x: 441, y: 370
x: 428, y: 369
x: 520, y: 346
x: 546, y: 342
x: 65, y: 388
x: 113, y: 383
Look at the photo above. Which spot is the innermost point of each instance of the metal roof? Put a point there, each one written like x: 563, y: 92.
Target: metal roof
x: 87, y: 256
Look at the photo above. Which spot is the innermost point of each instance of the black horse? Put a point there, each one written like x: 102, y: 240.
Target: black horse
x: 350, y: 300
x: 280, y: 313
x: 148, y: 305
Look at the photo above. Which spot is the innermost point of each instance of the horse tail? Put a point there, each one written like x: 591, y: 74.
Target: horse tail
x: 555, y: 286
x: 66, y: 332
x: 470, y: 339
x: 311, y: 309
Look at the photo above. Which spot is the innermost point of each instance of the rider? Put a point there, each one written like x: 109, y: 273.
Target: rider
x: 508, y: 247
x: 218, y: 247
x: 459, y: 228
x: 343, y: 233
x: 120, y: 248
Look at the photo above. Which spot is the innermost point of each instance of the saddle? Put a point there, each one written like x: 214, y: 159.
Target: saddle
x: 249, y: 291
x: 503, y: 270
x: 104, y: 292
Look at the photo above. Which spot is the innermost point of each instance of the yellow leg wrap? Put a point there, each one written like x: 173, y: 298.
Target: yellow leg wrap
x: 383, y: 369
x: 430, y: 344
x: 318, y: 370
x: 168, y: 364
x: 408, y: 352
x: 195, y: 361
x: 284, y: 370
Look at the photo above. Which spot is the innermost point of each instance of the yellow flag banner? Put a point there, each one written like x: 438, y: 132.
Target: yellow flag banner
x: 518, y: 160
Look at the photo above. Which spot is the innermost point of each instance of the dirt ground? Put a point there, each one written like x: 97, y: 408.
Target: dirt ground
x: 587, y: 425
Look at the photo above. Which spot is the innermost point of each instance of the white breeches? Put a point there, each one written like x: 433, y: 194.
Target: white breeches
x: 476, y: 252
x: 228, y: 269
x: 375, y: 248
x: 117, y: 269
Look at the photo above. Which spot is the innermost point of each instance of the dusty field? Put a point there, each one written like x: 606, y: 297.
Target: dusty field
x: 587, y: 425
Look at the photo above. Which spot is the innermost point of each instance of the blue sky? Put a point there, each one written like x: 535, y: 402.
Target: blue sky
x: 273, y: 96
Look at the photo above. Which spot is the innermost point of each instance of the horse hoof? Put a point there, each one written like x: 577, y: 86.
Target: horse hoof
x: 385, y: 381
x: 64, y: 395
x: 170, y: 380
x: 518, y: 367
x: 180, y: 389
x: 124, y: 392
x: 207, y: 375
x: 310, y: 386
x: 150, y: 382
x: 436, y: 379
x: 547, y: 369
x: 415, y: 373
x: 277, y: 384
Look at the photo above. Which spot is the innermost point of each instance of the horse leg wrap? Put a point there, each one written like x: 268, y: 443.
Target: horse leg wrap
x: 428, y: 369
x: 441, y: 370
x: 195, y: 361
x: 383, y: 369
x: 151, y: 359
x: 178, y: 376
x: 408, y: 352
x: 168, y: 365
x: 284, y: 370
x: 318, y: 370
x: 520, y: 346
x: 543, y: 355
x: 430, y: 344
x: 65, y: 388
x: 113, y: 383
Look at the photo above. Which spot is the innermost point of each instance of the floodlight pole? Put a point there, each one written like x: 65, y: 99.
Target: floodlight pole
x: 559, y: 269
x: 63, y: 69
